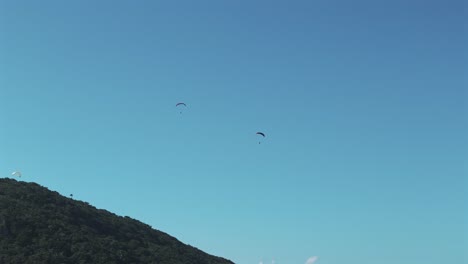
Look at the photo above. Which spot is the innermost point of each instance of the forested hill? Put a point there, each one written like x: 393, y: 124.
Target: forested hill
x: 41, y: 226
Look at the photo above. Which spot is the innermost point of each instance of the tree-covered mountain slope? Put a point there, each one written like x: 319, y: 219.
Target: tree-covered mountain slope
x: 41, y: 226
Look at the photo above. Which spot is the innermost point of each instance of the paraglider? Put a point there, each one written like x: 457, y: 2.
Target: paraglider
x: 16, y: 174
x: 180, y: 105
x: 261, y: 134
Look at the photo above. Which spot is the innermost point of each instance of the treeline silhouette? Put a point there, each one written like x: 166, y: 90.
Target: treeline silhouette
x: 41, y: 226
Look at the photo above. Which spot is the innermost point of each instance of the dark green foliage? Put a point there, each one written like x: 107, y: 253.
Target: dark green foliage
x: 41, y: 226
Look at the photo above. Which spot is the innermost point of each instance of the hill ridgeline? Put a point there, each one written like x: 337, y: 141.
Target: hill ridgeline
x: 41, y: 226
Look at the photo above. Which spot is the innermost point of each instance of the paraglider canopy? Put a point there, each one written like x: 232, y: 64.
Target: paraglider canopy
x: 261, y: 134
x: 16, y: 174
x: 179, y: 104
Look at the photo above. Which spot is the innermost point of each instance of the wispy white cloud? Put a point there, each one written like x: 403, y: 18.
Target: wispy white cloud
x: 311, y: 260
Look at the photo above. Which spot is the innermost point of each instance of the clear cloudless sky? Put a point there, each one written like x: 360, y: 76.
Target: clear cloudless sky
x: 364, y: 104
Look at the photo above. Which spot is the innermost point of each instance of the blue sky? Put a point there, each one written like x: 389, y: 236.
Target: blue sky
x: 364, y: 104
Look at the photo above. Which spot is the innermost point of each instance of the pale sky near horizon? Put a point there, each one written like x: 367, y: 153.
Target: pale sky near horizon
x: 363, y: 103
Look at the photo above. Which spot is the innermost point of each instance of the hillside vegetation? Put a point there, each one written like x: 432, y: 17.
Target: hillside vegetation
x: 41, y: 226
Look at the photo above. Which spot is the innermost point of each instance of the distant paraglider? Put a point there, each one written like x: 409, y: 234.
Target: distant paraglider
x: 179, y: 105
x: 261, y: 134
x: 16, y: 174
